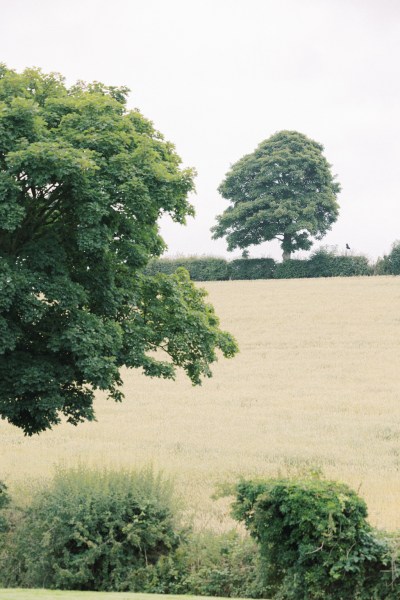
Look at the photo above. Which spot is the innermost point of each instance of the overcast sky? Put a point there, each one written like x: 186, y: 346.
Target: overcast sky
x: 219, y: 76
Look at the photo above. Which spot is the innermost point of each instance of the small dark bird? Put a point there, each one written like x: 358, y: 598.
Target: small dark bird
x: 347, y: 247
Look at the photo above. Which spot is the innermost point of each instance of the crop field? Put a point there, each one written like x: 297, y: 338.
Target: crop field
x: 316, y: 386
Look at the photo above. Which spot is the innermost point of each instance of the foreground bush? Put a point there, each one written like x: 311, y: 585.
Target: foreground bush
x: 117, y: 531
x: 91, y: 530
x: 206, y: 564
x: 315, y: 542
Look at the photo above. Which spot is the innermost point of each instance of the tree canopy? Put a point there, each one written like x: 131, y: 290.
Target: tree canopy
x: 83, y: 181
x: 284, y: 190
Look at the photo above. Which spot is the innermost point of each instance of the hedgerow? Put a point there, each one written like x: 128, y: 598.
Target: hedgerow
x: 327, y: 263
x: 252, y: 268
x: 322, y: 263
x: 206, y: 268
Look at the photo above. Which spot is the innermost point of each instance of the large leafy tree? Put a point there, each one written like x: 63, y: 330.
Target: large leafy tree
x: 284, y: 190
x: 83, y: 182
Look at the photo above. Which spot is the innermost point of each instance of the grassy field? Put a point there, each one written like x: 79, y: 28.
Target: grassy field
x: 315, y: 386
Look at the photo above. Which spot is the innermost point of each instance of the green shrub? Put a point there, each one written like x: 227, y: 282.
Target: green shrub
x: 91, y: 530
x: 252, y: 268
x: 200, y: 269
x: 315, y: 541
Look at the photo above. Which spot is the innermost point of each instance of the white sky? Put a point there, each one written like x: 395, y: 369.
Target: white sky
x: 219, y: 76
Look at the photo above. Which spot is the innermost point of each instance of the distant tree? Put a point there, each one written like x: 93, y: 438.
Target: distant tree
x: 83, y: 182
x: 390, y: 263
x: 284, y: 190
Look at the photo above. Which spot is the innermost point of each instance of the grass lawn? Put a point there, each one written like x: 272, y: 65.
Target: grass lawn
x: 18, y: 594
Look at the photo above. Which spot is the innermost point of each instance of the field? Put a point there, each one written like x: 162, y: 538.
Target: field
x: 315, y: 386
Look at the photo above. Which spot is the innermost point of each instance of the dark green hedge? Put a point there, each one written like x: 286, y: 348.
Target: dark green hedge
x: 322, y: 263
x: 200, y: 269
x: 215, y: 269
x: 292, y: 269
x: 252, y: 268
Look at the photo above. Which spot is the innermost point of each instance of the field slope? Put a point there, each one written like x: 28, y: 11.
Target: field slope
x: 315, y: 386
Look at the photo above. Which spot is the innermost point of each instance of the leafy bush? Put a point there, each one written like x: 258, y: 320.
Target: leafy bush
x: 315, y: 541
x: 91, y: 530
x: 252, y: 268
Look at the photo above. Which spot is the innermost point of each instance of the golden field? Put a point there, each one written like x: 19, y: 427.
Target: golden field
x: 316, y: 386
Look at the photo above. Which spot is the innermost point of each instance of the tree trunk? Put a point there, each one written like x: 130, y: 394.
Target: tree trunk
x: 286, y: 246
